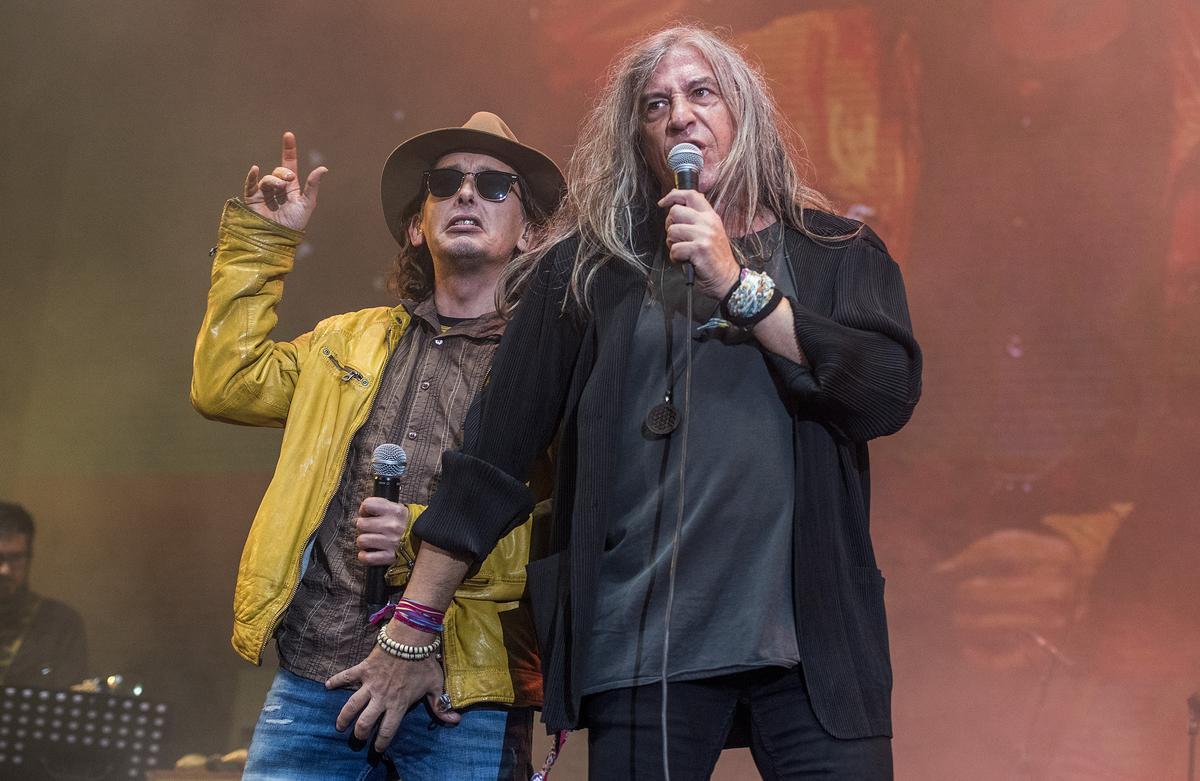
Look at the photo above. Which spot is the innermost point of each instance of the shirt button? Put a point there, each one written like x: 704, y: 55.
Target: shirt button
x: 438, y: 341
x: 425, y: 385
x: 412, y: 435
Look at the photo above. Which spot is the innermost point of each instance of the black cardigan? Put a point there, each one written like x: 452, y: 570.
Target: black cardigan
x: 559, y: 372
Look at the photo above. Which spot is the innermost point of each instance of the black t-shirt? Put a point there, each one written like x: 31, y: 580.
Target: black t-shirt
x: 732, y: 609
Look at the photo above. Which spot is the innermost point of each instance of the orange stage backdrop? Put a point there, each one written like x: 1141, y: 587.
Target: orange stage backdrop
x: 1034, y: 166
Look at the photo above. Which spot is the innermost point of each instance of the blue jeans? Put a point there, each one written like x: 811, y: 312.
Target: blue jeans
x: 296, y: 740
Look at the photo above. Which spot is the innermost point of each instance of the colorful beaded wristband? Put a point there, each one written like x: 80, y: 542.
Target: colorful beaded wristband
x: 419, y: 616
x: 412, y: 613
x: 417, y: 607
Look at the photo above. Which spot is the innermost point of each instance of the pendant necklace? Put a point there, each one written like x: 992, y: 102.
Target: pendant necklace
x: 664, y: 417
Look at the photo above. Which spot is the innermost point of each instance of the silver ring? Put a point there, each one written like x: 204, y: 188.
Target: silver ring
x: 443, y: 702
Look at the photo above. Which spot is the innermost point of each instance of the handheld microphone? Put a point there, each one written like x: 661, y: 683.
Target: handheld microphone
x: 388, y: 463
x: 685, y: 161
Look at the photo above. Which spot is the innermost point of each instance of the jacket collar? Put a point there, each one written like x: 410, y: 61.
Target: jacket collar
x: 424, y: 314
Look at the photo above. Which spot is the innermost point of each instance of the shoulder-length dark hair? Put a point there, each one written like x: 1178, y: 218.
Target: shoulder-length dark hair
x: 412, y: 271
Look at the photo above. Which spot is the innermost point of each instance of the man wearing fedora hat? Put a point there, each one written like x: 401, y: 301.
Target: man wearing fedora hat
x: 461, y: 202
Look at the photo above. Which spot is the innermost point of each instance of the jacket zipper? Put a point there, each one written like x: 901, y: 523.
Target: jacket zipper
x: 350, y: 374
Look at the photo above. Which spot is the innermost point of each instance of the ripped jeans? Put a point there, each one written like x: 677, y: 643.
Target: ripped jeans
x: 296, y: 740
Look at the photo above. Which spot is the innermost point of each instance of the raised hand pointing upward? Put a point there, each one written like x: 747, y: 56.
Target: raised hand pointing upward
x: 278, y: 195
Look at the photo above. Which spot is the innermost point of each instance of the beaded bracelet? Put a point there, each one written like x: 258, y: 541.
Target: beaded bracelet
x: 411, y: 653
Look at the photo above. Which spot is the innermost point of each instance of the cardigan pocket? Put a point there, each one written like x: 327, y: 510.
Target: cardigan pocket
x: 866, y: 626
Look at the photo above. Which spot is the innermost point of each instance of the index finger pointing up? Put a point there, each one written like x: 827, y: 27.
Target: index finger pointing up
x: 289, y: 155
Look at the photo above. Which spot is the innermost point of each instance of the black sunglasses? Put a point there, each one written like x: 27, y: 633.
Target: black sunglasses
x: 489, y: 185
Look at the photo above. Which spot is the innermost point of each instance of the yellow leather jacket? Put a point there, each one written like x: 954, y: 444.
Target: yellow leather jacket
x: 319, y: 387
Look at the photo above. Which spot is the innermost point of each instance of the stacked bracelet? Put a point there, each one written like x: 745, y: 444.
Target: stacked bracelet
x: 419, y: 616
x: 750, y: 300
x: 411, y: 653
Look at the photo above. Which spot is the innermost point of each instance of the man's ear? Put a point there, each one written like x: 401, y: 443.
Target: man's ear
x: 415, y: 236
x: 523, y: 239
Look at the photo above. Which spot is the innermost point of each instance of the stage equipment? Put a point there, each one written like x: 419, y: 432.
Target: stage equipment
x: 50, y: 735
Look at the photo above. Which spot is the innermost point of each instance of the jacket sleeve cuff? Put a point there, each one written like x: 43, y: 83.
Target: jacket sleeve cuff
x: 237, y: 218
x: 410, y: 543
x: 798, y: 378
x: 861, y: 379
x: 486, y: 505
x: 406, y: 552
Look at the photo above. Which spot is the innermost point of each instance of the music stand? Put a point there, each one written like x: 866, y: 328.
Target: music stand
x: 50, y: 735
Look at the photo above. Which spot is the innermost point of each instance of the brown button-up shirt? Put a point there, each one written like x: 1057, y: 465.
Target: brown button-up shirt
x: 423, y: 397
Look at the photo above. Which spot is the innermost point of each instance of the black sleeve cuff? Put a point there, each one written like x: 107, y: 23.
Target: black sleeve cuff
x: 486, y: 504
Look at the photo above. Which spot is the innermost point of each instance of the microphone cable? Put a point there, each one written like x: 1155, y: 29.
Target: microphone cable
x: 689, y: 276
x: 685, y: 161
x: 689, y: 273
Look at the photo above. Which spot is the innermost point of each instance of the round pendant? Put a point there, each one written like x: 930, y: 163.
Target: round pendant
x: 662, y: 419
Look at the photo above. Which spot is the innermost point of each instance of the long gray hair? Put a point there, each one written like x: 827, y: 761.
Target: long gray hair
x: 610, y: 184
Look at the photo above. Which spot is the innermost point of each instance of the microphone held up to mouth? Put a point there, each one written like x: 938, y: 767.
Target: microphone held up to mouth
x: 685, y: 161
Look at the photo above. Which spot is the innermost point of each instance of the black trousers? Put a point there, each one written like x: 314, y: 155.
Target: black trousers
x: 786, y: 740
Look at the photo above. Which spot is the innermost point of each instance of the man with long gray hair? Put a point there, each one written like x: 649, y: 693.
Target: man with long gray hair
x: 710, y: 569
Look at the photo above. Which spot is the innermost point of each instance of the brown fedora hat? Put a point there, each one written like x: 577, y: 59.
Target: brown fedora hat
x: 484, y: 133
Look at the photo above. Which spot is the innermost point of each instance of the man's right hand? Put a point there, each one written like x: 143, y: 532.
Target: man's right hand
x: 278, y: 195
x: 386, y: 688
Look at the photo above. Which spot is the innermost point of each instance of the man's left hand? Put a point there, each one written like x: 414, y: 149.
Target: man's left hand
x: 696, y: 235
x: 387, y: 689
x: 381, y: 525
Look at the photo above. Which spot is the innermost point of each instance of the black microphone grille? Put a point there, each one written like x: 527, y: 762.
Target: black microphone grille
x: 389, y: 460
x: 683, y: 157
